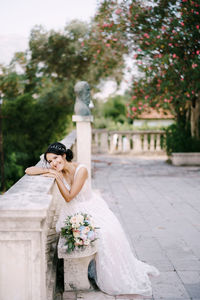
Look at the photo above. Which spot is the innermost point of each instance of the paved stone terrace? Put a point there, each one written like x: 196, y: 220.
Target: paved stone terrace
x: 159, y: 207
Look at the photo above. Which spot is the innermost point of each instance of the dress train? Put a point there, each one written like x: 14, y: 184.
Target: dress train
x: 118, y: 271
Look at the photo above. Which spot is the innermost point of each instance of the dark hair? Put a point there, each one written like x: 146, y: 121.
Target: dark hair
x: 59, y: 149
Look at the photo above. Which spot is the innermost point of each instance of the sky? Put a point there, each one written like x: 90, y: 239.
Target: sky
x: 18, y: 17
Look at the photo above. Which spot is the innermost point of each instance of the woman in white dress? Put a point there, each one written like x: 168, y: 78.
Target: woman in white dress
x: 117, y: 270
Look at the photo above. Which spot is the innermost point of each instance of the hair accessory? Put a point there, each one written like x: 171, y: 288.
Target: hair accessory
x: 58, y: 147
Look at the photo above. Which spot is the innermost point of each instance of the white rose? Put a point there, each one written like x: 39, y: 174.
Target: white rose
x: 73, y: 220
x: 80, y: 219
x: 78, y: 242
x: 86, y: 242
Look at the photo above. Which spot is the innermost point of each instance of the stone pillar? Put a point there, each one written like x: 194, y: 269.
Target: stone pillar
x: 83, y: 136
x: 83, y: 118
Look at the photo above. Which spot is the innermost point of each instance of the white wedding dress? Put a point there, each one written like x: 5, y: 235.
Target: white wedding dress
x: 117, y: 269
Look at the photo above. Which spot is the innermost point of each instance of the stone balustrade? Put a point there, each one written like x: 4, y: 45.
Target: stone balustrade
x: 29, y: 212
x: 135, y: 142
x: 28, y: 240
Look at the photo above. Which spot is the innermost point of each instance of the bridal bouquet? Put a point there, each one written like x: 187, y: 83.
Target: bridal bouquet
x: 79, y: 231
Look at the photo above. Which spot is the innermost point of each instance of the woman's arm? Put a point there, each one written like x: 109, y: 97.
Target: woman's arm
x: 76, y: 186
x: 36, y: 171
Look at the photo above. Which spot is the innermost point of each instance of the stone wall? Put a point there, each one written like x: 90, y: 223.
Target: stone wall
x: 28, y: 240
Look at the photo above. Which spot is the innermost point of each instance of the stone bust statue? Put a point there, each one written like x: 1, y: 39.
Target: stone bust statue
x: 83, y: 100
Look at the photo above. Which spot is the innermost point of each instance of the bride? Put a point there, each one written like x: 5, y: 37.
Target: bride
x: 117, y: 270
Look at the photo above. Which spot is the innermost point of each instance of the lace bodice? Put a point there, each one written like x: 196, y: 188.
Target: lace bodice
x: 77, y: 204
x: 85, y: 192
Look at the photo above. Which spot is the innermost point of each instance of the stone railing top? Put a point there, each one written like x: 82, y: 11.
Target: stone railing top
x: 30, y: 197
x: 27, y: 198
x: 129, y: 131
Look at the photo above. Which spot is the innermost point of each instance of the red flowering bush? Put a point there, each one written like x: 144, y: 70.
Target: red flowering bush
x: 163, y: 38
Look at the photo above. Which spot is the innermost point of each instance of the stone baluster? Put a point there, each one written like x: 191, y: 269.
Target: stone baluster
x: 163, y: 144
x: 126, y: 143
x: 119, y: 144
x: 113, y: 142
x: 137, y: 144
x: 95, y: 142
x: 158, y: 148
x: 152, y: 145
x: 145, y: 143
x: 104, y: 142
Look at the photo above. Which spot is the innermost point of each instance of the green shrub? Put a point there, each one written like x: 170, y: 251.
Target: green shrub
x: 178, y: 139
x: 109, y: 124
x: 115, y: 109
x: 29, y: 126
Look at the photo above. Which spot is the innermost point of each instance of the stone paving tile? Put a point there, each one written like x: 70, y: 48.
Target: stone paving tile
x: 161, y: 265
x: 186, y: 265
x: 69, y: 296
x: 133, y: 297
x: 159, y: 208
x: 58, y: 296
x: 94, y: 296
x: 191, y: 282
x: 173, y: 298
x: 169, y: 285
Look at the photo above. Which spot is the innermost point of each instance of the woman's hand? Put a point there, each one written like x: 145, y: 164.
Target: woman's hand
x: 54, y: 174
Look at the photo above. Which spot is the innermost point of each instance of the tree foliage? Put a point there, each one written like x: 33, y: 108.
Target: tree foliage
x: 163, y: 38
x: 115, y: 109
x: 38, y: 89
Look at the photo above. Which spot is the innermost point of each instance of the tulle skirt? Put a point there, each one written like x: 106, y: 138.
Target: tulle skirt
x: 118, y: 271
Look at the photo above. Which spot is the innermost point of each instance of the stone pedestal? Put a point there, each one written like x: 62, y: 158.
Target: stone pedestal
x: 186, y: 159
x: 76, y: 266
x: 84, y: 137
